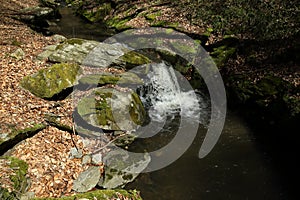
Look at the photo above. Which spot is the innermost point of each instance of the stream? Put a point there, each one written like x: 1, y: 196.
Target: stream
x: 237, y: 167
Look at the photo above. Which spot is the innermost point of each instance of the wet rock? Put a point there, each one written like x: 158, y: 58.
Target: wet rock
x: 47, y: 83
x: 87, y: 180
x: 122, y: 168
x: 110, y: 109
x: 19, y: 54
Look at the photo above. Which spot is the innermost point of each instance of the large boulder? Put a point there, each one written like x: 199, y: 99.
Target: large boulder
x: 110, y: 109
x: 51, y: 81
x: 92, y: 53
x: 71, y: 50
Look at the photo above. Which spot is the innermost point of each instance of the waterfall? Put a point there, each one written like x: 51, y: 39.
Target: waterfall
x: 167, y: 93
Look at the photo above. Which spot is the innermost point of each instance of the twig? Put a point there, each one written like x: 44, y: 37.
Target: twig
x: 109, y: 143
x: 74, y: 133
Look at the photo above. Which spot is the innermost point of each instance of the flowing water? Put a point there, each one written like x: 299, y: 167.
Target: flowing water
x: 237, y: 168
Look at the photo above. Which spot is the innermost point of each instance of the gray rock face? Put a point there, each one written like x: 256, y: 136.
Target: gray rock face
x: 111, y: 109
x: 103, y: 55
x: 122, y: 168
x: 72, y: 50
x: 87, y: 180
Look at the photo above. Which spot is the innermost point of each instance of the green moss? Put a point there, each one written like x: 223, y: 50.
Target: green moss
x: 101, y: 195
x: 152, y: 16
x: 118, y: 24
x: 73, y: 41
x: 18, y: 178
x: 16, y: 43
x: 133, y: 59
x: 51, y: 81
x: 99, y: 14
x: 221, y: 54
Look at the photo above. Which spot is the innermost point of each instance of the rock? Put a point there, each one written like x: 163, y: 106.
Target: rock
x: 48, y: 83
x: 126, y: 78
x: 59, y: 38
x: 92, y: 53
x: 37, y: 17
x: 8, y: 140
x: 110, y: 109
x: 19, y: 54
x: 105, y: 55
x: 122, y: 168
x: 74, y: 153
x: 97, y: 158
x: 87, y: 180
x: 72, y: 50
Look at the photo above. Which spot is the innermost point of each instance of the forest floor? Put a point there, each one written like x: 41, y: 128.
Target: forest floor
x: 47, y: 152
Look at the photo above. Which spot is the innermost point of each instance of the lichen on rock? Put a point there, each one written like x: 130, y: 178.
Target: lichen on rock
x: 47, y: 83
x: 110, y: 109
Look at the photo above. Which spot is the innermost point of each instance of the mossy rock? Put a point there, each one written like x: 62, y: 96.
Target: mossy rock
x: 122, y: 167
x: 17, y: 178
x: 109, y: 109
x: 132, y: 59
x: 100, y: 195
x: 52, y: 81
x: 108, y: 78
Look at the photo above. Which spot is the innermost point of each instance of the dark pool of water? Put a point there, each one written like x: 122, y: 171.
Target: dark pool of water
x: 235, y: 169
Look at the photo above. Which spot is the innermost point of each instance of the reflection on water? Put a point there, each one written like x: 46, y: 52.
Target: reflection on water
x: 235, y: 169
x: 72, y: 26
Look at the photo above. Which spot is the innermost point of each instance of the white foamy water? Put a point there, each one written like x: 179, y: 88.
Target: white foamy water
x: 167, y: 96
